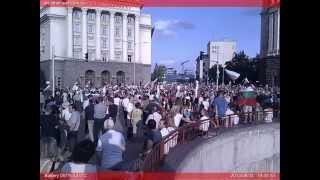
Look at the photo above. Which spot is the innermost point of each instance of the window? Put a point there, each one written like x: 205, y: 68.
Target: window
x: 118, y: 43
x: 91, y: 16
x: 76, y: 15
x: 91, y: 54
x: 117, y: 32
x: 129, y: 58
x: 130, y: 20
x: 104, y: 55
x: 129, y: 33
x: 77, y: 53
x: 90, y: 38
x: 117, y: 55
x: 104, y: 43
x: 118, y: 19
x: 76, y: 27
x: 104, y: 30
x: 104, y: 18
x: 91, y: 41
x: 90, y: 28
x: 129, y: 45
x: 76, y: 40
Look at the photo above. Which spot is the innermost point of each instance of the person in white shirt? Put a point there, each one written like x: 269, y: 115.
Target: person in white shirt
x: 164, y: 132
x: 155, y: 116
x: 64, y: 97
x: 200, y: 99
x: 110, y: 148
x: 75, y: 87
x: 65, y: 113
x: 74, y: 123
x: 204, y: 126
x: 104, y: 90
x: 81, y: 155
x: 268, y: 114
x: 231, y: 118
x: 228, y: 98
x: 177, y: 118
x: 125, y: 102
x: 86, y: 102
x: 116, y: 100
x: 205, y: 103
x: 174, y: 137
x: 129, y: 108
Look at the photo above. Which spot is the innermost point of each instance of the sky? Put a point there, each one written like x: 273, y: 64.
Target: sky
x: 181, y: 33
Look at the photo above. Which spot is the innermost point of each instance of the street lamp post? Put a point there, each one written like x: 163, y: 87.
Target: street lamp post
x: 53, y: 74
x: 217, y: 76
x: 134, y: 71
x: 217, y: 88
x: 223, y: 66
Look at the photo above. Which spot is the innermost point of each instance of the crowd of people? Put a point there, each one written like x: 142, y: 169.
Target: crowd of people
x: 88, y: 121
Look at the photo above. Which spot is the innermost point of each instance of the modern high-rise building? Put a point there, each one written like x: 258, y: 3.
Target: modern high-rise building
x: 217, y: 51
x: 96, y: 44
x: 202, y: 67
x: 171, y: 75
x: 270, y: 47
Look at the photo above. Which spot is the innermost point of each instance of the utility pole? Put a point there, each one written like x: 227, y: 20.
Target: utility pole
x: 217, y: 69
x: 53, y: 74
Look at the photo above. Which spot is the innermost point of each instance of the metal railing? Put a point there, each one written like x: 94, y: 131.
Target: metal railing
x: 155, y: 158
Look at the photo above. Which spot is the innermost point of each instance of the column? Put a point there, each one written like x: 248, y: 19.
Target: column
x: 84, y: 32
x: 70, y: 48
x: 98, y: 32
x: 111, y: 35
x: 278, y: 37
x: 125, y: 38
x: 137, y: 39
x: 270, y: 32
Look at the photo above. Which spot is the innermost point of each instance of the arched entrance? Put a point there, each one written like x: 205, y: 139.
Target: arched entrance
x: 120, y: 77
x: 105, y: 77
x: 90, y: 77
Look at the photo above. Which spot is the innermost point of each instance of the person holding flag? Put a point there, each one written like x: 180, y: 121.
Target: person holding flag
x: 247, y: 101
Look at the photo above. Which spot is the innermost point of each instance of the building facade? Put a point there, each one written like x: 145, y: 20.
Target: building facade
x: 269, y: 72
x: 97, y: 45
x: 217, y: 51
x: 202, y: 67
x: 221, y: 51
x: 171, y: 75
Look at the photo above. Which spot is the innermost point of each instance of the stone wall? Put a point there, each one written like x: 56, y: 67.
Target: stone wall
x: 70, y: 71
x: 242, y: 150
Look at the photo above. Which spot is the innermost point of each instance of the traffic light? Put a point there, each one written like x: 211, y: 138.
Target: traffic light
x: 59, y: 82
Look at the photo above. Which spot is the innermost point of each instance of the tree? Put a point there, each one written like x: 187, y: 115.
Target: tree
x: 213, y: 74
x: 241, y: 64
x: 158, y: 72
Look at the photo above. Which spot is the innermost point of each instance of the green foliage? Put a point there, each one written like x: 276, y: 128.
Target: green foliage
x: 240, y: 64
x: 158, y: 72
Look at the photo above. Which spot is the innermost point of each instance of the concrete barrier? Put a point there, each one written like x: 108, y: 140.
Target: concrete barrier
x: 252, y: 149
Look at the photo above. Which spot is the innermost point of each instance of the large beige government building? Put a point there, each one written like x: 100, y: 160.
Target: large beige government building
x: 97, y: 45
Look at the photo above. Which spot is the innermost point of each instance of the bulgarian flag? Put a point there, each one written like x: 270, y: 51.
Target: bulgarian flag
x: 247, y: 98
